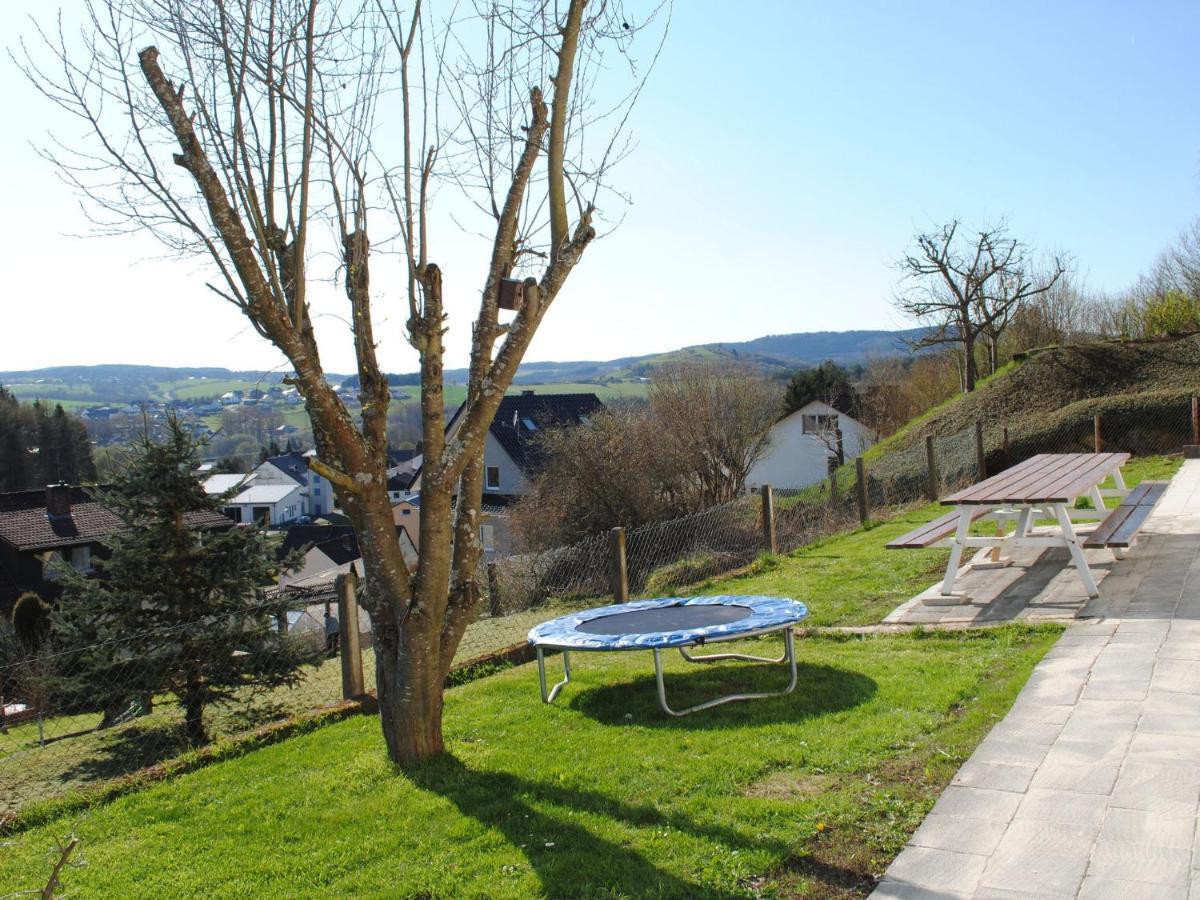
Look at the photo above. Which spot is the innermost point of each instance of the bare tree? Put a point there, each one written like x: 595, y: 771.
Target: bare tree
x: 254, y: 134
x: 608, y: 472
x: 715, y: 422
x: 967, y: 288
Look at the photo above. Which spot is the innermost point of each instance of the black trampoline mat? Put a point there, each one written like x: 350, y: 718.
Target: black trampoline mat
x: 665, y: 618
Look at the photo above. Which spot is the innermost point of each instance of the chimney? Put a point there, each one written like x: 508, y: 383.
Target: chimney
x: 58, y: 501
x: 528, y: 393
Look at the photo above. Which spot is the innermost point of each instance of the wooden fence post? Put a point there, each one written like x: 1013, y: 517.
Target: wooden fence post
x: 620, y: 571
x: 493, y: 590
x: 352, y: 671
x: 1097, y: 439
x: 932, y: 484
x: 1195, y: 420
x: 980, y: 458
x: 860, y: 489
x: 833, y: 488
x: 770, y: 541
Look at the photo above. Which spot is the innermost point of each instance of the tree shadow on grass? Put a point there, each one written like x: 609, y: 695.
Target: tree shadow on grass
x: 569, y: 859
x: 126, y: 750
x: 820, y: 689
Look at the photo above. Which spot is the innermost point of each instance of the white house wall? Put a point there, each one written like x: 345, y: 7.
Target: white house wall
x: 795, y: 459
x: 512, y: 480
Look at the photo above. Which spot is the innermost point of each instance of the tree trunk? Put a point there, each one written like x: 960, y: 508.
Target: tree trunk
x: 193, y: 713
x: 410, y: 697
x: 970, y: 368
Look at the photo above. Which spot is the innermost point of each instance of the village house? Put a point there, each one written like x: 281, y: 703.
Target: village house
x: 62, y: 523
x: 259, y: 498
x: 806, y: 445
x: 512, y: 453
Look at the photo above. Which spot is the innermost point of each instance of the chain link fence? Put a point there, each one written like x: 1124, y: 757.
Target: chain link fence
x: 54, y: 741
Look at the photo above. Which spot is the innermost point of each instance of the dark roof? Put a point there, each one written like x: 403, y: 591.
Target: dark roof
x: 294, y: 464
x: 395, y: 457
x: 25, y: 526
x: 342, y: 549
x: 401, y: 482
x: 302, y: 537
x: 518, y: 412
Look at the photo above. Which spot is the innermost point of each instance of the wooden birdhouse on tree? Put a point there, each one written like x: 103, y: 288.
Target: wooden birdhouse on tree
x: 512, y: 294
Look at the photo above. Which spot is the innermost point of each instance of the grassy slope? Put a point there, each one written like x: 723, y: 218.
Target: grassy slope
x: 1056, y: 377
x: 600, y: 795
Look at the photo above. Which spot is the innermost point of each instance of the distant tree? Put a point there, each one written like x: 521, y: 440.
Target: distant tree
x: 715, y: 422
x: 827, y: 382
x: 1178, y: 267
x: 176, y: 608
x: 599, y: 475
x: 968, y: 287
x: 39, y: 446
x: 687, y: 448
x: 1172, y: 312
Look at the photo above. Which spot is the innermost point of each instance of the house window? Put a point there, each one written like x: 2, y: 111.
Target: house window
x: 818, y: 424
x: 81, y: 559
x: 406, y: 512
x: 493, y: 478
x: 487, y: 534
x: 529, y: 424
x: 317, y: 491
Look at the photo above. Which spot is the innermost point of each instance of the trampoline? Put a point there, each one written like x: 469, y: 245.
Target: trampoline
x: 672, y: 622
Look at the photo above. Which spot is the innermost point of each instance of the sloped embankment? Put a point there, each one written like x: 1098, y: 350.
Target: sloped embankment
x: 1048, y: 400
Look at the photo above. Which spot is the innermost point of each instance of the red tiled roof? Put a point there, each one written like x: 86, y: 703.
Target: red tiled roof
x: 25, y: 526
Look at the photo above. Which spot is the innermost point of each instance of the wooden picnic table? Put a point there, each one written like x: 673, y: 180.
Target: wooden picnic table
x: 1045, y: 486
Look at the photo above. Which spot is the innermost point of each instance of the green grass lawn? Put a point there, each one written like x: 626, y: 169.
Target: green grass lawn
x: 78, y: 754
x: 600, y: 795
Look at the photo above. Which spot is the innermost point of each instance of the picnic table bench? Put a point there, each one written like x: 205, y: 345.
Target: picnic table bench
x: 1045, y: 486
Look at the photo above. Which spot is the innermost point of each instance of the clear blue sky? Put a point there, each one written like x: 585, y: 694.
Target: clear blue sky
x: 786, y: 154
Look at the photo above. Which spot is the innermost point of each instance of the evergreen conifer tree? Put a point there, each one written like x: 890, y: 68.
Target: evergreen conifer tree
x: 179, y: 606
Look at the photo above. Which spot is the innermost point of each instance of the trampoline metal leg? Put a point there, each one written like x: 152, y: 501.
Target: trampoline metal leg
x: 714, y: 657
x: 548, y: 696
x: 789, y: 654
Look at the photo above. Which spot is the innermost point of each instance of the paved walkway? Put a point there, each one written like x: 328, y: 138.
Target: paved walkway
x: 1090, y: 786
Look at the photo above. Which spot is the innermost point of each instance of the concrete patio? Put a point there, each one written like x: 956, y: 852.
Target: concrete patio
x: 1090, y: 786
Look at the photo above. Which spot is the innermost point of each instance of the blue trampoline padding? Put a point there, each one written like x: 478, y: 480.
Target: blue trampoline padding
x: 765, y: 613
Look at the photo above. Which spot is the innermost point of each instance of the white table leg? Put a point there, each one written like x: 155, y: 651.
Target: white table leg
x: 956, y: 551
x: 1072, y: 542
x: 1023, y: 519
x: 1119, y: 481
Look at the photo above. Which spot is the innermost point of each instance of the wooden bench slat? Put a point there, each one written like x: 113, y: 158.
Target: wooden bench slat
x: 1148, y: 493
x: 1103, y: 532
x: 932, y: 532
x: 1121, y: 526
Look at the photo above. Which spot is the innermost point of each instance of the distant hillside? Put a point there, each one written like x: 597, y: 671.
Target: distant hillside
x: 88, y: 385
x: 773, y: 354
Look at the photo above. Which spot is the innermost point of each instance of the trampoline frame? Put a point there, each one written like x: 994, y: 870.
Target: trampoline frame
x: 789, y: 656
